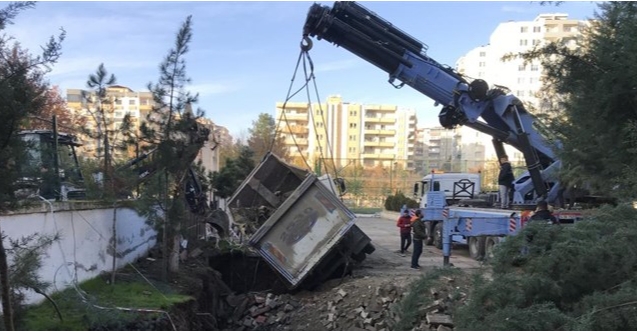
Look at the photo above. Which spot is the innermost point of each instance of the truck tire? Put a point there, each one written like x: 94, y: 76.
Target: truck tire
x: 489, y: 245
x: 428, y: 230
x: 476, y: 247
x: 437, y: 236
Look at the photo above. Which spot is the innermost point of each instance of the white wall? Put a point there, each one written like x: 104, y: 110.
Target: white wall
x: 85, y: 249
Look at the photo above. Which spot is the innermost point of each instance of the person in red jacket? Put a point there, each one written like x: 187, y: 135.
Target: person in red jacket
x: 404, y: 223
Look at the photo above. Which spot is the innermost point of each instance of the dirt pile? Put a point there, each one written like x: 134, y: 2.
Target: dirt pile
x: 357, y: 304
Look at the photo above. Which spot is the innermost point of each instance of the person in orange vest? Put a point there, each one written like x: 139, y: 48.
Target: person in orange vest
x: 404, y: 223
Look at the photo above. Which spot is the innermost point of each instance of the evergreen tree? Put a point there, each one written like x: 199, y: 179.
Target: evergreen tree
x: 172, y: 129
x: 230, y: 177
x: 22, y: 86
x: 101, y: 107
x: 592, y: 100
x: 264, y: 138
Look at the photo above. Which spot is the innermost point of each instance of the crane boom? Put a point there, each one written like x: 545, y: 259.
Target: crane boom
x: 493, y: 111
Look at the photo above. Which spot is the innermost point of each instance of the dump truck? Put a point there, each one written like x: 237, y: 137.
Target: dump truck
x: 297, y: 223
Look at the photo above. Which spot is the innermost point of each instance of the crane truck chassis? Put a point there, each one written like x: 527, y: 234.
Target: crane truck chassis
x: 490, y: 110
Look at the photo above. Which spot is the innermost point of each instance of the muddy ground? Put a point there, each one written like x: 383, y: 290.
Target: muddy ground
x: 246, y: 295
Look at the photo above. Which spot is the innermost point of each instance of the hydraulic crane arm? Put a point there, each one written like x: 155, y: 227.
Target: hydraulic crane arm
x: 492, y: 111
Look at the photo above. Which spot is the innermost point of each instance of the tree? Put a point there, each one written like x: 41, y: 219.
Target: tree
x: 172, y: 129
x: 593, y: 107
x: 101, y: 109
x: 230, y: 177
x: 22, y: 87
x: 55, y: 105
x: 264, y: 138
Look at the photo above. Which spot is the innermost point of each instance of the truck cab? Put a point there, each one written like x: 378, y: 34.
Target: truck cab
x: 456, y: 186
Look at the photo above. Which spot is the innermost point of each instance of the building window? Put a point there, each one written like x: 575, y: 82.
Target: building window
x: 352, y: 113
x: 520, y: 80
x: 352, y: 137
x: 320, y: 137
x: 521, y: 67
x: 523, y: 42
x: 537, y: 29
x: 520, y: 93
x: 352, y: 150
x: 319, y: 112
x: 531, y: 93
x: 481, y: 74
x: 524, y: 29
x: 118, y: 101
x: 483, y: 54
x: 567, y: 28
x: 532, y: 80
x: 131, y: 102
x: 352, y: 125
x: 482, y: 64
x: 319, y: 124
x: 536, y: 42
x: 535, y: 67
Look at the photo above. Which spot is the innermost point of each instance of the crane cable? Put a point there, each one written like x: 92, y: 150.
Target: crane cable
x: 306, y: 45
x: 311, y: 76
x: 289, y: 96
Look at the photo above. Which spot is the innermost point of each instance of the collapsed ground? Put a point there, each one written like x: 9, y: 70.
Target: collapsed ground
x: 245, y: 294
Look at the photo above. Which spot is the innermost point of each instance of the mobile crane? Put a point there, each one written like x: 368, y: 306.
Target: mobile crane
x: 491, y: 110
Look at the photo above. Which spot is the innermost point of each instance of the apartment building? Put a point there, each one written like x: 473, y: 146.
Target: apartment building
x: 523, y: 79
x: 348, y: 133
x: 123, y: 101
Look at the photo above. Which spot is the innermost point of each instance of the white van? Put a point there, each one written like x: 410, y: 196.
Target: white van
x: 456, y: 186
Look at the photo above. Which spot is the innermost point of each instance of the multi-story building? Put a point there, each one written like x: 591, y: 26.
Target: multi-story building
x: 367, y: 135
x: 123, y: 101
x: 524, y: 79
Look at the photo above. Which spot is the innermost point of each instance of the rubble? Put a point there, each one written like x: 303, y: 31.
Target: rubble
x: 346, y: 307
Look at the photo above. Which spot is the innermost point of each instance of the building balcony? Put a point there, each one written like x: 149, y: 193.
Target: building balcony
x: 385, y: 156
x: 386, y: 120
x: 293, y: 117
x: 389, y: 132
x: 293, y: 129
x: 298, y: 141
x: 379, y: 144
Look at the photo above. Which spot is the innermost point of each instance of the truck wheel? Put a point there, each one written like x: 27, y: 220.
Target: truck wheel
x: 429, y: 240
x: 437, y: 236
x: 489, y: 245
x: 476, y: 247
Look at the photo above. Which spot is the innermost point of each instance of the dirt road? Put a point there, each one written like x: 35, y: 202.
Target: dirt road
x: 387, y: 261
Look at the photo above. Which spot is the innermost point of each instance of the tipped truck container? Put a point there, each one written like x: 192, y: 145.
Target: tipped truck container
x: 302, y: 229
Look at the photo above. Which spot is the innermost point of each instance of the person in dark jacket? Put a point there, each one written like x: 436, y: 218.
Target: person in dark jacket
x: 419, y: 235
x: 505, y: 181
x: 542, y: 213
x: 404, y: 223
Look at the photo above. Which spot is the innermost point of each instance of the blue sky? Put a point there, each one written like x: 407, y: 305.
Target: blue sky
x: 243, y: 54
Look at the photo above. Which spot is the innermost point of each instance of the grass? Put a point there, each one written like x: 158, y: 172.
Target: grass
x: 79, y: 315
x: 365, y: 210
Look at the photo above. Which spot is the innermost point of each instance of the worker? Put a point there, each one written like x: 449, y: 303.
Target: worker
x: 542, y: 212
x: 404, y: 223
x: 419, y: 235
x: 505, y: 181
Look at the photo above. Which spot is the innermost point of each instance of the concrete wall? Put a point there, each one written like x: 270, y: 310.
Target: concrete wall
x: 85, y: 249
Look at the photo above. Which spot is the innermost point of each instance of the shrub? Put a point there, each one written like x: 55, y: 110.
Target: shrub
x: 581, y: 276
x: 396, y: 202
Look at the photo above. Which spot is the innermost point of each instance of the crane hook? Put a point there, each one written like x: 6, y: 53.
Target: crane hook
x: 306, y: 43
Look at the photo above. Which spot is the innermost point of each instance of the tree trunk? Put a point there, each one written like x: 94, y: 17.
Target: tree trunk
x: 113, y: 269
x: 7, y: 309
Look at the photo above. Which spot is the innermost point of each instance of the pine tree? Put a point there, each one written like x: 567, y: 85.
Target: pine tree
x: 22, y: 84
x: 172, y: 129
